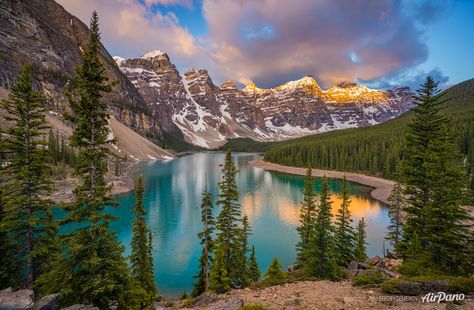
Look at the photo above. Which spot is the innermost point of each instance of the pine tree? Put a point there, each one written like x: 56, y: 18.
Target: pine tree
x: 253, y: 273
x: 360, y: 251
x: 228, y: 231
x: 322, y: 258
x: 219, y: 281
x: 242, y: 260
x: 345, y: 235
x: 448, y: 225
x: 207, y: 219
x: 274, y: 275
x: 435, y: 180
x: 142, y: 269
x: 423, y: 129
x: 396, y: 206
x: 97, y: 269
x: 26, y: 176
x: 9, y: 272
x: 307, y: 218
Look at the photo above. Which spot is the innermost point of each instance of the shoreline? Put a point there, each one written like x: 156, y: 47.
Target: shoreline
x: 382, y: 187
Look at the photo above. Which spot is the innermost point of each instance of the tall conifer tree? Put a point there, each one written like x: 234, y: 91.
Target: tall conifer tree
x: 322, y: 260
x: 242, y: 259
x: 141, y: 260
x: 228, y: 230
x: 26, y: 176
x: 436, y: 180
x: 207, y: 219
x: 98, y: 270
x: 307, y: 218
x: 253, y: 273
x: 345, y: 235
x: 397, y: 204
x: 360, y: 252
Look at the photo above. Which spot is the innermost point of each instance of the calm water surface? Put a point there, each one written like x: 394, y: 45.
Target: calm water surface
x: 270, y: 200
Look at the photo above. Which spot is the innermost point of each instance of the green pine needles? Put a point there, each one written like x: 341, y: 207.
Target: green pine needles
x: 307, y: 218
x: 435, y: 183
x: 25, y: 181
x: 344, y: 232
x: 141, y: 258
x: 360, y: 251
x: 98, y: 272
x: 207, y: 219
x: 322, y: 260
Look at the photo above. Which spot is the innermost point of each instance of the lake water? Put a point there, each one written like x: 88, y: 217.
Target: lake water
x: 270, y: 200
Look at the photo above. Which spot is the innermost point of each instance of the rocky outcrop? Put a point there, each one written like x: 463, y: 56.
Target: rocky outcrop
x: 208, y: 115
x: 16, y: 300
x: 41, y: 33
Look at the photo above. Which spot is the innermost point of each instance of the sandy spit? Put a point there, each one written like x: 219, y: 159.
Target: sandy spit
x: 382, y: 187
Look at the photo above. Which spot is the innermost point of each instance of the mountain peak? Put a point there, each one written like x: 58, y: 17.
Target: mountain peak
x: 153, y: 54
x: 307, y: 82
x: 118, y: 60
x: 228, y: 84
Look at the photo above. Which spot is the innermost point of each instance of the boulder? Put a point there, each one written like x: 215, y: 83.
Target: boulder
x: 205, y: 299
x: 375, y: 260
x: 353, y: 266
x: 233, y: 304
x: 81, y: 307
x: 409, y: 288
x: 391, y: 255
x: 49, y: 302
x: 363, y: 266
x: 16, y: 300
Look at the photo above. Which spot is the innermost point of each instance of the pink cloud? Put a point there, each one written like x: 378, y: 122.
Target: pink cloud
x: 128, y: 29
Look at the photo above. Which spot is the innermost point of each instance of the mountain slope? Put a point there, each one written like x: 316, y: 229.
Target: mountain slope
x: 376, y: 150
x: 43, y: 34
x: 207, y: 115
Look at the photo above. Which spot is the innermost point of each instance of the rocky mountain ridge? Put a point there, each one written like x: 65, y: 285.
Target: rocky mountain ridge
x: 43, y: 34
x: 208, y: 114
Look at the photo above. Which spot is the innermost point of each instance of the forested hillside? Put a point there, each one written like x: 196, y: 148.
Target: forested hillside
x: 377, y: 150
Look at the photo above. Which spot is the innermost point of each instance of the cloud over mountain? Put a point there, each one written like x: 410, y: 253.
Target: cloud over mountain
x: 272, y: 41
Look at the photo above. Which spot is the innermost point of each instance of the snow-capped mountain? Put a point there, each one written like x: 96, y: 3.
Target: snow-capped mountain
x: 207, y: 115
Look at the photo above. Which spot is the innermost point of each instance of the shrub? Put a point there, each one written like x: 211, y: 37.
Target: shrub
x: 390, y: 286
x: 372, y: 277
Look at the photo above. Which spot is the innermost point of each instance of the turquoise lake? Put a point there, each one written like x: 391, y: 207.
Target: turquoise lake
x: 270, y: 200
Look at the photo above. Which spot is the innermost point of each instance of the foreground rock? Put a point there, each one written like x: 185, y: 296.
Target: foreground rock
x: 49, y: 302
x: 16, y: 300
x: 323, y: 295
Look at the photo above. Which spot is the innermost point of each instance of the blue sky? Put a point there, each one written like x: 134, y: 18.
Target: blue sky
x: 378, y: 43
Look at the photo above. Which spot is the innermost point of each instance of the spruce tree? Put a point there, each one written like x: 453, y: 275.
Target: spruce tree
x: 228, y: 231
x: 396, y: 206
x: 142, y: 268
x: 274, y: 275
x: 322, y: 258
x: 345, y: 235
x: 360, y: 251
x: 307, y: 218
x: 423, y: 129
x: 448, y: 224
x: 253, y: 273
x: 207, y: 219
x: 98, y: 271
x: 26, y: 175
x: 219, y: 281
x: 242, y: 260
x: 9, y: 271
x: 435, y: 179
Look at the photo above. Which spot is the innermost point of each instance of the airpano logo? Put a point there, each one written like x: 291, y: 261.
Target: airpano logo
x: 442, y: 296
